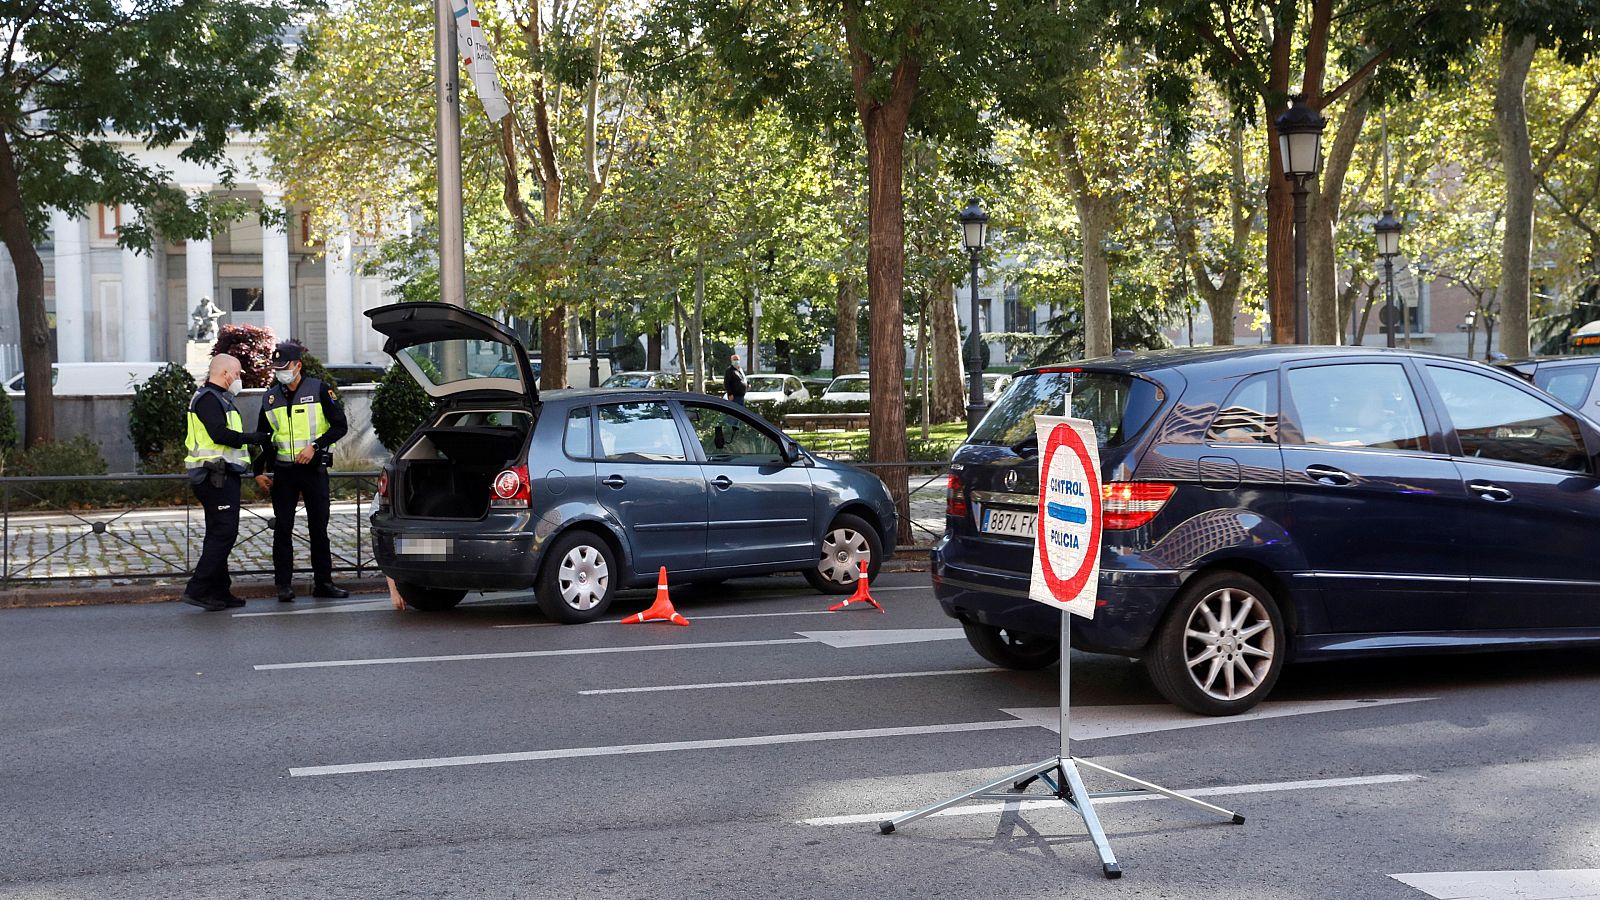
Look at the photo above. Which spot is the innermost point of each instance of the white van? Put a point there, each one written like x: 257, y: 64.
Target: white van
x: 92, y: 378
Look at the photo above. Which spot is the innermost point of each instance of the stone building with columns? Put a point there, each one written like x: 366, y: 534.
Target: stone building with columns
x: 107, y: 304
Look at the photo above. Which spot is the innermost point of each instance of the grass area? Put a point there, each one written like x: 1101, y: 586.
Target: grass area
x: 942, y: 440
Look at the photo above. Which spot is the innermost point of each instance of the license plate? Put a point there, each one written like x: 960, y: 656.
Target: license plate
x: 415, y: 546
x: 1016, y: 523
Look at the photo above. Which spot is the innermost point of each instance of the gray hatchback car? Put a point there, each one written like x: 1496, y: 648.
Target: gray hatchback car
x: 577, y: 494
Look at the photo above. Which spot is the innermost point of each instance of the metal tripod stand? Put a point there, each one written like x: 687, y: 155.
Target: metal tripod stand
x: 1060, y: 774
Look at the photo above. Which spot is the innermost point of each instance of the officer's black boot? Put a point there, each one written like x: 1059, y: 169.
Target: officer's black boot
x: 285, y: 593
x: 329, y: 590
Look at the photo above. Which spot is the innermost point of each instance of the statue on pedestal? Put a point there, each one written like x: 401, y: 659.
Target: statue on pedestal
x: 203, y: 321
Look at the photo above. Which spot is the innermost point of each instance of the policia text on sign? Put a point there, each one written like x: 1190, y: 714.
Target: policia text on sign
x: 305, y: 418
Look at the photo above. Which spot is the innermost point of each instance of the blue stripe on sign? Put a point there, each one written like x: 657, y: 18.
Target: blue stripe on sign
x: 461, y: 12
x: 1065, y: 513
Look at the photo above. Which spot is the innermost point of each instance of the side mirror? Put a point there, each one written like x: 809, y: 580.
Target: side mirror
x: 791, y: 451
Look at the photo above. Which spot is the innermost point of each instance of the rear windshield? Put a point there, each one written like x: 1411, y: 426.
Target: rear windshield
x: 461, y: 363
x: 766, y: 382
x: 1118, y: 405
x: 851, y: 385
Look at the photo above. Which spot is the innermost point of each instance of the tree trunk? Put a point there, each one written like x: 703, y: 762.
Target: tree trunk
x: 1516, y: 156
x: 1323, y: 218
x: 919, y: 370
x: 652, y: 347
x: 697, y: 324
x: 885, y: 282
x: 947, y: 399
x: 1223, y: 309
x: 1280, y: 246
x: 846, y: 353
x: 1095, y: 220
x: 39, y: 400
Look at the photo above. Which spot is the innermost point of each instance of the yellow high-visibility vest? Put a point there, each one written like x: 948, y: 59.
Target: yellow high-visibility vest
x: 198, y: 440
x: 296, y: 419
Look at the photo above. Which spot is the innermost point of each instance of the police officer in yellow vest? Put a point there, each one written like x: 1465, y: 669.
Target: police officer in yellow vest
x: 305, y: 418
x: 217, y: 457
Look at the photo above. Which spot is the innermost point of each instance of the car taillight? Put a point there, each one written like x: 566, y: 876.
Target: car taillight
x: 511, y: 489
x: 1129, y: 504
x: 955, y: 501
x: 383, y: 488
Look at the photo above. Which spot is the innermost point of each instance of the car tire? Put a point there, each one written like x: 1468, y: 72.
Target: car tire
x: 1012, y: 649
x: 846, y: 543
x: 579, y: 578
x: 429, y: 599
x: 1221, y: 647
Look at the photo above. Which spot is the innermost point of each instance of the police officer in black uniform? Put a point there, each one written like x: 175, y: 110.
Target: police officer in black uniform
x: 305, y: 418
x: 216, y: 439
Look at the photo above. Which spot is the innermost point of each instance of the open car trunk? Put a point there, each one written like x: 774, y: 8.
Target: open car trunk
x: 448, y: 468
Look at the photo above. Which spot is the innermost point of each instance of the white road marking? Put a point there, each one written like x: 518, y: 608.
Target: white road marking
x: 521, y: 654
x: 875, y: 637
x: 695, y: 618
x: 1549, y: 884
x: 1090, y: 722
x: 352, y: 606
x: 977, y: 809
x: 667, y: 747
x: 772, y: 681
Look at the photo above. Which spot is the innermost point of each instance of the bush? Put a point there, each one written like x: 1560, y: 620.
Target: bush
x: 158, y: 418
x: 79, y: 456
x: 311, y: 367
x: 253, y: 348
x: 8, y: 427
x: 399, y: 407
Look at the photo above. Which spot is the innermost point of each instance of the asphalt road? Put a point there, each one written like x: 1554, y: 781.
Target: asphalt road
x: 147, y: 754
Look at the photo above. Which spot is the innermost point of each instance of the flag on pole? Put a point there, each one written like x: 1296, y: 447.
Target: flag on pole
x: 475, y: 53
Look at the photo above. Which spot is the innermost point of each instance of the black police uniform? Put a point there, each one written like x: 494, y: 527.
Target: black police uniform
x: 292, y: 482
x: 211, y: 586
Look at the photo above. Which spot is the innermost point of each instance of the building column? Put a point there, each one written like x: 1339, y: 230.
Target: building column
x: 340, y: 298
x: 71, y: 259
x: 275, y: 271
x: 199, y: 273
x: 136, y: 269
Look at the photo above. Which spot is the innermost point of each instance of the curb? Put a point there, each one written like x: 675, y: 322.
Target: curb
x: 101, y: 594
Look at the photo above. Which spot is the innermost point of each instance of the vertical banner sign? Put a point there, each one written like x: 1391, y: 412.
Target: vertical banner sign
x: 1066, y: 550
x: 480, y: 63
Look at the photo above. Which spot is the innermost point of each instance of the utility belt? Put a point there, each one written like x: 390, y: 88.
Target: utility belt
x: 322, y: 457
x: 216, y: 470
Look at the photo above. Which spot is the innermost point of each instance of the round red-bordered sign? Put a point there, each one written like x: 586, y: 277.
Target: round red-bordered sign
x: 1066, y: 587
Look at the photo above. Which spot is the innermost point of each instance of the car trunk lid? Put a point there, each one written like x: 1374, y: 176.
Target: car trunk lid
x: 456, y: 354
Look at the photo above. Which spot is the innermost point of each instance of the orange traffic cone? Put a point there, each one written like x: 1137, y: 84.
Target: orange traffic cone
x: 661, y: 610
x: 860, y: 596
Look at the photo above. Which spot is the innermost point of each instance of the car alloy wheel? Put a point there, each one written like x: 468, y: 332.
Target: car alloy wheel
x: 1229, y: 644
x: 583, y: 578
x: 1221, y: 646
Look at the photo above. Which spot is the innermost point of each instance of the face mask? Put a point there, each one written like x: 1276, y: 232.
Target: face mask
x: 235, y: 386
x: 284, y: 376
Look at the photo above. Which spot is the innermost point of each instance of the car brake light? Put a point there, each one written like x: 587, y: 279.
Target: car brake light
x: 1130, y: 504
x: 955, y: 501
x: 383, y: 487
x: 511, y: 489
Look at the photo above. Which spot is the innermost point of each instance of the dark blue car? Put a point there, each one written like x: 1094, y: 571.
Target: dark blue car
x: 577, y: 494
x: 1278, y: 503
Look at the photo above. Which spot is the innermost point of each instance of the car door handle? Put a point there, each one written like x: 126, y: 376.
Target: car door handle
x: 1493, y: 493
x: 1329, y: 475
x: 722, y: 482
x: 614, y: 481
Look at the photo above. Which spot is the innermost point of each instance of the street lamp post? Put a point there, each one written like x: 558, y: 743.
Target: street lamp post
x: 1387, y: 232
x: 974, y: 234
x: 1300, y: 148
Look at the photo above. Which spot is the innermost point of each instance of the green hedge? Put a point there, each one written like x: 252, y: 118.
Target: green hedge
x: 399, y: 407
x: 159, y: 414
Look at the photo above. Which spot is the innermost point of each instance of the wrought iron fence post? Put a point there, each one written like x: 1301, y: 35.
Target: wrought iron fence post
x: 360, y: 492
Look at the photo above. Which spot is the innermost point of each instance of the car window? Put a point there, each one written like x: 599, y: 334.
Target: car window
x: 579, y: 441
x: 1362, y: 405
x: 1495, y: 420
x: 1570, y: 384
x: 727, y: 437
x: 640, y: 432
x: 1119, y: 406
x: 1250, y: 414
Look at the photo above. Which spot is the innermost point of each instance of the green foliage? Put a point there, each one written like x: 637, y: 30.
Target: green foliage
x: 311, y: 367
x: 158, y: 416
x: 399, y: 407
x: 8, y: 427
x: 79, y: 456
x: 253, y: 347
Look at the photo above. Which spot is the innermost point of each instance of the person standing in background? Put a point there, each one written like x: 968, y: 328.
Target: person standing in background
x: 734, y: 382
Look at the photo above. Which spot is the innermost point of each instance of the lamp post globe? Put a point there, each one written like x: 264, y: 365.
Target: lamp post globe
x: 974, y: 234
x: 1300, y: 151
x: 1387, y: 233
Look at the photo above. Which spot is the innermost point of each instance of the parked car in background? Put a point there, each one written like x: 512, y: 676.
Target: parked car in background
x: 356, y: 373
x: 577, y: 494
x: 776, y: 389
x: 848, y: 388
x: 91, y: 378
x: 1570, y: 379
x: 994, y: 385
x: 1278, y: 503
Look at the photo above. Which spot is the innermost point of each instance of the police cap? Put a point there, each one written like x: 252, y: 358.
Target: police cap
x: 287, y: 352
